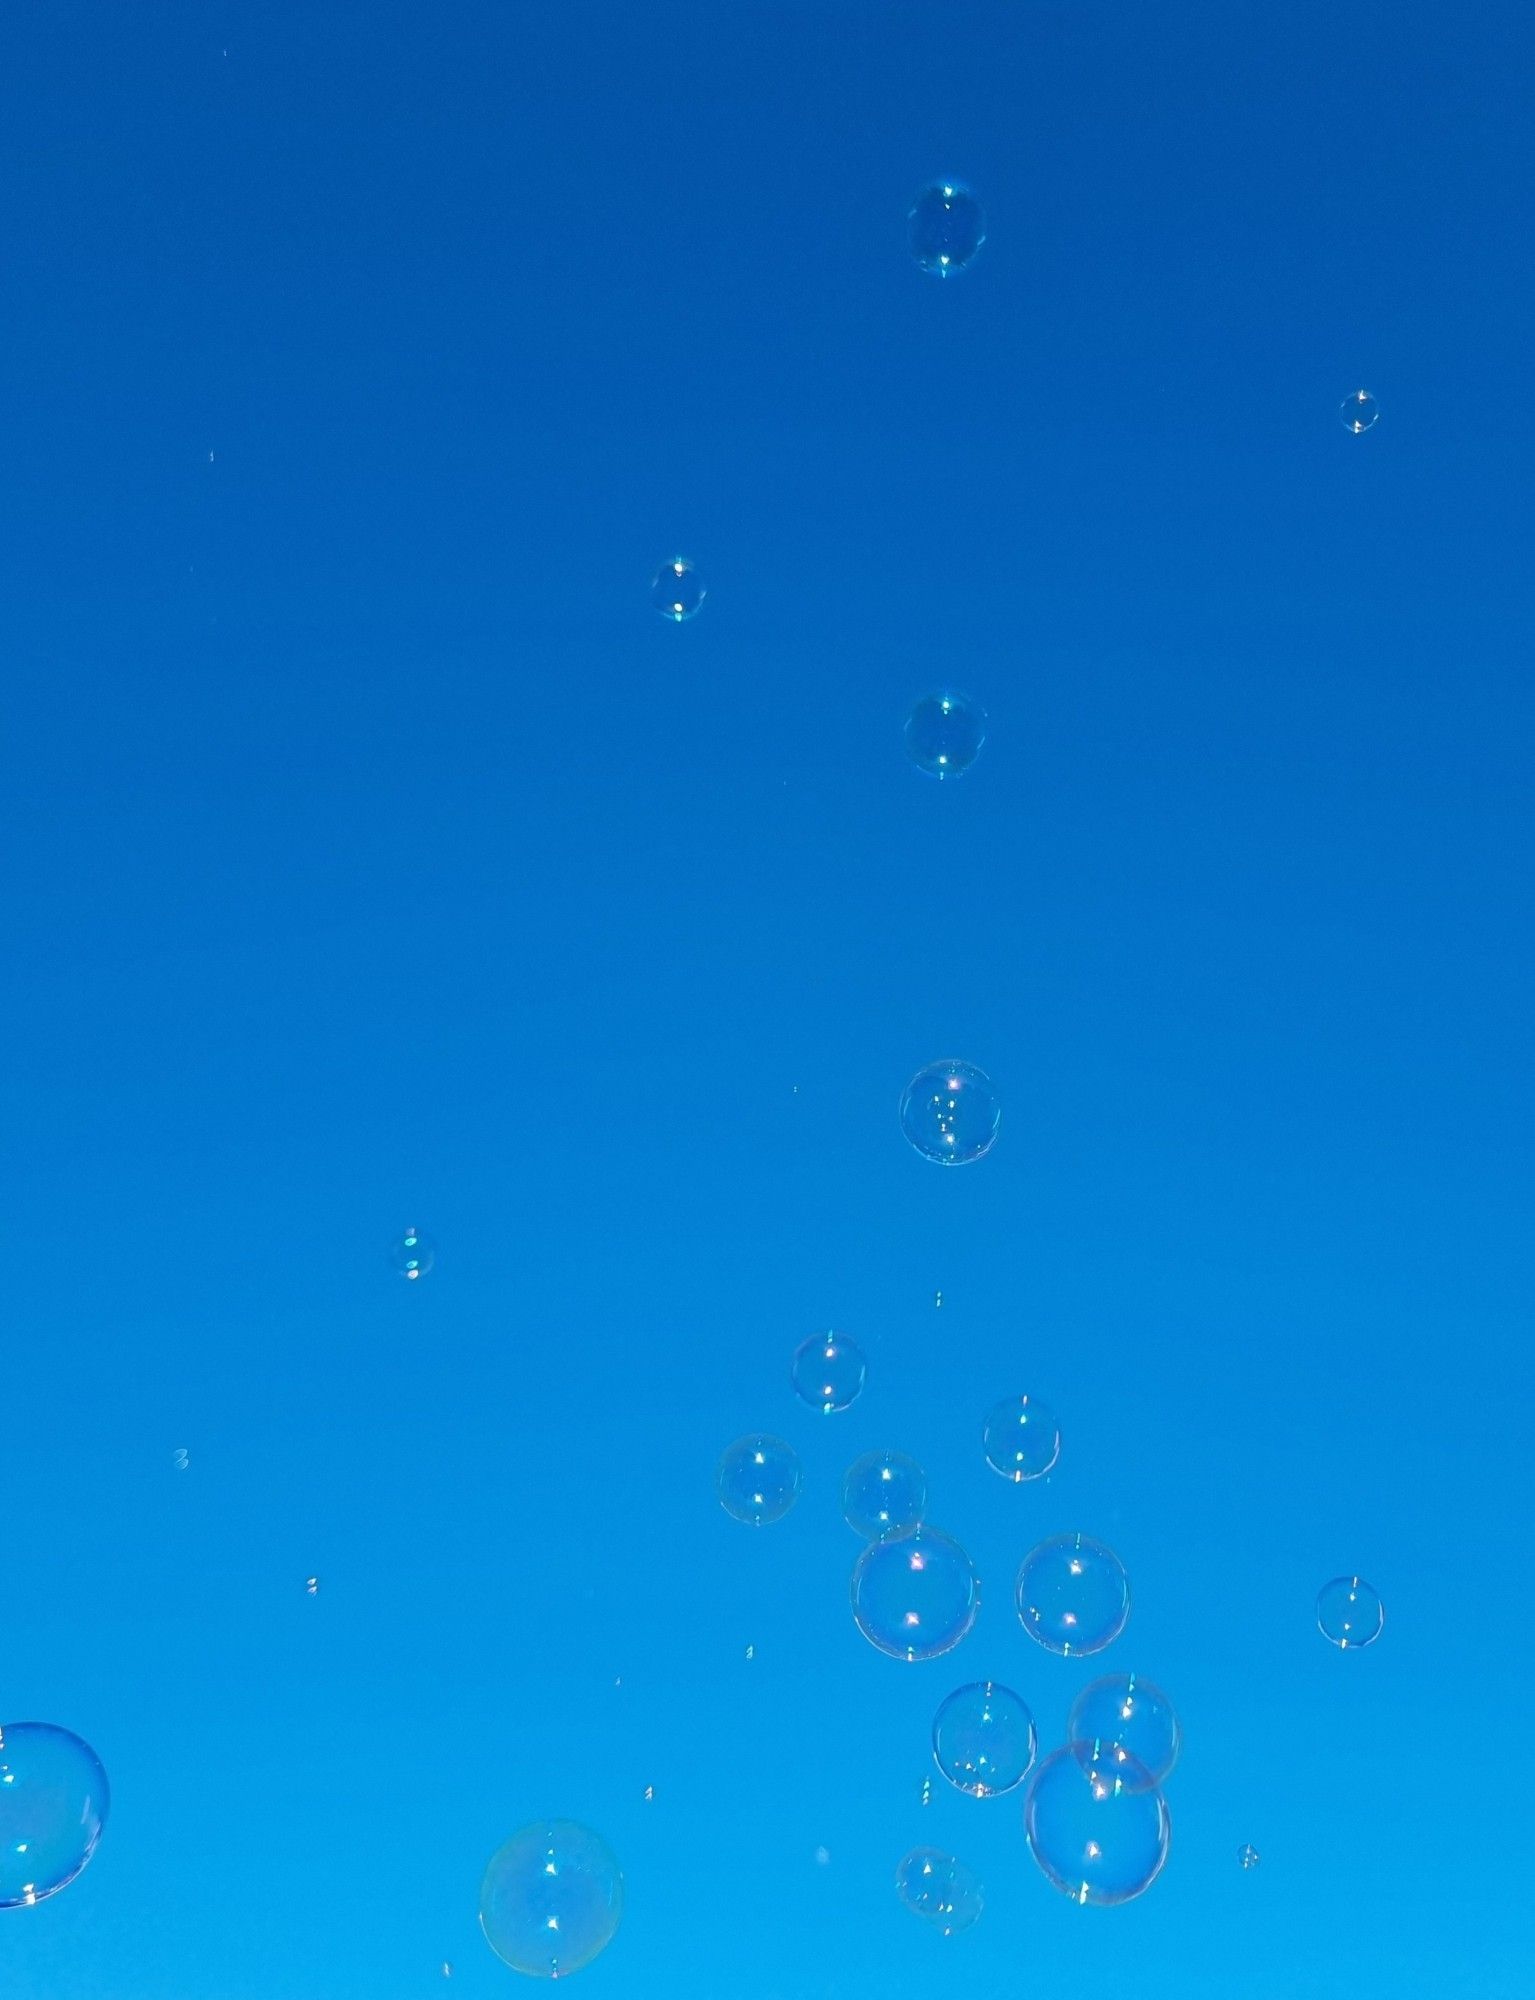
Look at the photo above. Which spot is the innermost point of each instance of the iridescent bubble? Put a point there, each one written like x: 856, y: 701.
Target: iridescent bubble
x: 551, y: 1899
x: 883, y: 1490
x: 676, y: 590
x: 1360, y: 412
x: 947, y: 228
x: 414, y: 1254
x: 934, y: 1885
x: 758, y: 1479
x: 915, y: 1594
x: 1022, y: 1440
x: 828, y: 1371
x: 1132, y: 1719
x: 950, y: 1112
x: 53, y: 1805
x: 984, y: 1739
x: 1349, y: 1613
x: 1097, y: 1836
x: 944, y: 734
x: 1248, y: 1855
x: 1072, y: 1595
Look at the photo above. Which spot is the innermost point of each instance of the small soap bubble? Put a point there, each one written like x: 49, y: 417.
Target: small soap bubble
x: 312, y: 1585
x: 828, y: 1371
x: 676, y: 590
x: 938, y: 1298
x: 822, y: 1856
x: 1021, y: 1439
x: 1072, y: 1595
x: 414, y: 1254
x: 946, y: 228
x: 934, y: 1885
x: 54, y: 1800
x: 1360, y: 412
x: 551, y: 1899
x: 1098, y: 1832
x: 883, y: 1490
x: 1248, y: 1855
x: 758, y: 1479
x: 650, y: 1792
x: 1349, y: 1613
x: 751, y: 1652
x: 944, y: 734
x: 1130, y: 1719
x: 915, y: 1594
x: 181, y: 1458
x: 926, y: 1798
x: 950, y: 1112
x: 447, y: 1970
x: 984, y: 1739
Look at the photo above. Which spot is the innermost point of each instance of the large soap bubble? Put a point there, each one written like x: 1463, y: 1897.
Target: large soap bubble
x: 984, y: 1739
x: 934, y: 1885
x: 946, y: 228
x: 53, y: 1805
x: 551, y: 1899
x: 1132, y: 1719
x: 915, y: 1594
x: 758, y: 1479
x: 883, y: 1491
x: 944, y: 734
x: 950, y: 1112
x: 828, y: 1371
x: 1098, y: 1831
x: 1072, y: 1595
x: 1350, y: 1613
x: 1021, y: 1439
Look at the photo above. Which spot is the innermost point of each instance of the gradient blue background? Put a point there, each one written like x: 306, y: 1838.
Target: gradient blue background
x: 373, y: 854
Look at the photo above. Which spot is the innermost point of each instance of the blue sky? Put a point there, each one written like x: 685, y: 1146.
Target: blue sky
x: 375, y: 854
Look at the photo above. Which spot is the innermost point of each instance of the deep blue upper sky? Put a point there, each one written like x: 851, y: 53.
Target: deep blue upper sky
x: 374, y: 854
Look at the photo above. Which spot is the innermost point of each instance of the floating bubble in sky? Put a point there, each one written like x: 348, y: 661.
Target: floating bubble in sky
x: 984, y: 1739
x: 883, y: 1490
x: 551, y: 1899
x: 414, y: 1254
x: 950, y: 1112
x: 915, y: 1593
x: 1021, y: 1438
x: 181, y: 1458
x: 946, y: 228
x: 53, y: 1805
x: 1131, y: 1719
x: 1072, y: 1595
x: 1098, y: 1832
x: 944, y: 734
x: 758, y: 1479
x: 828, y: 1371
x: 1360, y: 412
x: 1248, y: 1855
x: 312, y: 1586
x: 1349, y: 1613
x: 934, y: 1885
x: 676, y: 590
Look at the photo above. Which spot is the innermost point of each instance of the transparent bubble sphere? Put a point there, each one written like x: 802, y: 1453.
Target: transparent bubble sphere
x: 1360, y: 412
x: 984, y: 1739
x: 946, y: 228
x: 414, y: 1253
x: 944, y: 734
x: 1248, y: 1855
x: 934, y: 1885
x: 758, y: 1479
x: 1130, y: 1719
x: 676, y: 590
x: 1349, y: 1613
x: 915, y: 1594
x: 53, y: 1805
x: 883, y: 1491
x: 828, y: 1371
x: 1072, y: 1595
x: 950, y: 1112
x: 1096, y: 1835
x: 1021, y: 1438
x: 551, y: 1899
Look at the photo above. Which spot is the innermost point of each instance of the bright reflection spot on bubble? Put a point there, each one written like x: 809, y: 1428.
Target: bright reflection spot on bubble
x: 935, y: 1886
x: 1021, y: 1439
x: 1131, y: 1719
x: 828, y: 1371
x: 915, y: 1594
x: 54, y: 1799
x: 552, y: 1899
x: 984, y: 1739
x: 950, y: 1112
x: 1072, y: 1595
x: 944, y: 734
x: 946, y: 228
x: 1248, y: 1855
x: 1360, y: 412
x: 414, y: 1253
x: 883, y: 1490
x: 1349, y: 1613
x: 1098, y: 1831
x: 758, y: 1479
x: 676, y: 590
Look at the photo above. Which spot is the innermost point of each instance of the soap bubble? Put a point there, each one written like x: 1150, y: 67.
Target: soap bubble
x: 1349, y: 1613
x: 1098, y: 1832
x: 551, y: 1899
x: 676, y: 590
x: 946, y: 227
x: 414, y: 1254
x: 944, y: 734
x: 883, y: 1491
x: 950, y: 1112
x: 828, y: 1371
x: 1072, y: 1595
x: 1022, y: 1440
x: 1248, y: 1855
x: 915, y: 1594
x: 758, y: 1479
x: 1132, y: 1720
x: 1360, y: 412
x: 934, y: 1885
x: 984, y: 1739
x: 53, y: 1805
